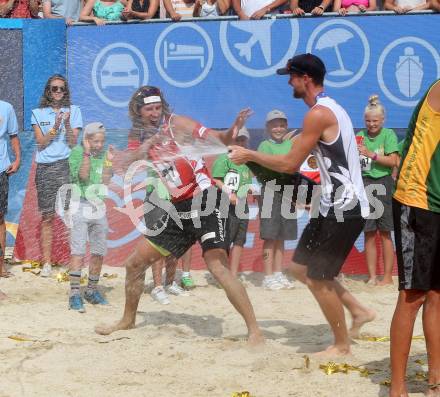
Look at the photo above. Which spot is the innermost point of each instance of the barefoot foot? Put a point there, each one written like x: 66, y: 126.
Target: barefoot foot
x: 256, y: 339
x: 359, y: 321
x: 385, y: 281
x: 108, y: 329
x: 333, y: 351
x: 433, y: 391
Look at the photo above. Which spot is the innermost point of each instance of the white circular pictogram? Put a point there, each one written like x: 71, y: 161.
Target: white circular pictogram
x: 387, y: 50
x: 100, y: 56
x: 365, y: 44
x: 207, y: 64
x: 246, y: 70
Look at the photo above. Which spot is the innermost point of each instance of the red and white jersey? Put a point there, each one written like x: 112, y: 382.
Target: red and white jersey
x: 186, y: 175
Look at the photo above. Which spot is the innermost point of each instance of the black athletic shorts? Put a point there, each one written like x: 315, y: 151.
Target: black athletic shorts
x: 325, y: 244
x: 49, y: 177
x: 4, y: 189
x: 417, y: 236
x: 165, y: 233
x: 384, y: 223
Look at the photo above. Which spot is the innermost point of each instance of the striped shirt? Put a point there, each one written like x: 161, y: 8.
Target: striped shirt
x: 182, y: 8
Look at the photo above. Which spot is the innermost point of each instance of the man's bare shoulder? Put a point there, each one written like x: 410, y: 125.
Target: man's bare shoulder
x: 320, y: 115
x: 434, y: 97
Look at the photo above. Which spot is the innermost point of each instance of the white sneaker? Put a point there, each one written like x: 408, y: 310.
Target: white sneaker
x: 284, y: 281
x: 159, y: 295
x: 271, y: 283
x: 46, y: 271
x: 176, y: 289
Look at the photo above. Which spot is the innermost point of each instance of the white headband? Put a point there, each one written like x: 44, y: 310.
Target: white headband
x: 152, y: 99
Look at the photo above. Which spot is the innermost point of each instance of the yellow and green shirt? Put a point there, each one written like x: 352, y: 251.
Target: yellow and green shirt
x: 418, y: 183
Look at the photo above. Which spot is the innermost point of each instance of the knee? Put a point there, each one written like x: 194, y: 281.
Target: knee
x: 413, y: 299
x: 314, y: 284
x: 433, y: 296
x: 298, y: 272
x: 217, y: 262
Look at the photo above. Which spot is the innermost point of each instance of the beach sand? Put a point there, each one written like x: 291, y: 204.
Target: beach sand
x: 193, y: 347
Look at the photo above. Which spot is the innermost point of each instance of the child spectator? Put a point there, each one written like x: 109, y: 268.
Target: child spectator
x: 179, y: 9
x: 275, y: 229
x: 379, y: 154
x: 90, y: 170
x: 100, y: 11
x: 159, y: 293
x: 256, y: 9
x: 314, y: 7
x: 67, y: 9
x: 344, y: 6
x: 8, y: 131
x: 404, y: 6
x: 19, y: 8
x: 56, y: 124
x: 211, y: 8
x: 235, y: 180
x: 141, y: 9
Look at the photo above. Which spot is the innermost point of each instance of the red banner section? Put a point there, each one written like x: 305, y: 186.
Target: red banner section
x: 123, y: 235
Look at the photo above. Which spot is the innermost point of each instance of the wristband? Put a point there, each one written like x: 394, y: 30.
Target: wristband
x: 108, y: 163
x: 321, y: 7
x: 52, y: 132
x: 374, y: 158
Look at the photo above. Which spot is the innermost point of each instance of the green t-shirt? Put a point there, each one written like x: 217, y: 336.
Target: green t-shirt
x: 155, y: 183
x: 383, y: 144
x: 95, y: 174
x: 263, y: 174
x: 236, y: 177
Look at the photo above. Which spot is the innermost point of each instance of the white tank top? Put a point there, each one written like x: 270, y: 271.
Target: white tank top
x: 341, y: 179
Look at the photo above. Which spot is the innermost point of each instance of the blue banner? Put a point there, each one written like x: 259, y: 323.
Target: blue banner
x: 211, y: 69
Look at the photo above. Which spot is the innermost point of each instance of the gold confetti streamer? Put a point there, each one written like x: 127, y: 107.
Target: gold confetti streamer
x: 62, y: 277
x: 371, y: 338
x: 19, y: 338
x: 109, y: 276
x: 241, y: 394
x: 386, y: 383
x: 333, y: 368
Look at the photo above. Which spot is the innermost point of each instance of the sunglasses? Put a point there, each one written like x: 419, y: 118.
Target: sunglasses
x: 57, y: 88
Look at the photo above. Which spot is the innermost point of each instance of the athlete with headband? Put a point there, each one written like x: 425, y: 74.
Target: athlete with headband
x: 161, y: 133
x: 329, y: 237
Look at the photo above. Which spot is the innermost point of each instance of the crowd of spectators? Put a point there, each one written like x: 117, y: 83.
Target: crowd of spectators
x: 102, y: 11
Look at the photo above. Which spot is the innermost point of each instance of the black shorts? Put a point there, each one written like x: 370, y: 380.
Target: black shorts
x: 48, y: 180
x: 380, y: 221
x: 276, y: 226
x: 417, y: 236
x: 171, y: 237
x: 325, y: 244
x: 4, y: 189
x: 237, y: 228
